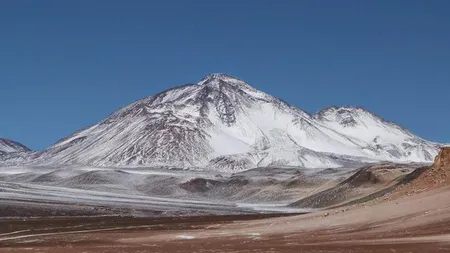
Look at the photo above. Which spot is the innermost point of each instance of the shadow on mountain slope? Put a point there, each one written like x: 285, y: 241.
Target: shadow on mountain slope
x: 366, y: 184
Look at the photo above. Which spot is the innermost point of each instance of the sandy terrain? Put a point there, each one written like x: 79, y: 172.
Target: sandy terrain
x: 413, y: 216
x: 417, y: 223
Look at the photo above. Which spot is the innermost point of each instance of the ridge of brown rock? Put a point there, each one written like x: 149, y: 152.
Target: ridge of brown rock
x: 439, y: 174
x: 442, y: 160
x: 435, y: 176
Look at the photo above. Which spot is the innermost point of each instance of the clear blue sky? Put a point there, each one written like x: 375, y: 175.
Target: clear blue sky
x: 67, y: 64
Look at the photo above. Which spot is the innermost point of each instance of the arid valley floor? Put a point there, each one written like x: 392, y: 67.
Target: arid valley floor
x: 416, y: 223
x: 376, y: 209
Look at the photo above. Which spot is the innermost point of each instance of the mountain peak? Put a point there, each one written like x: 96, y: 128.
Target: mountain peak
x: 341, y: 109
x: 219, y: 77
x: 348, y: 115
x: 7, y: 146
x: 348, y: 112
x: 224, y: 123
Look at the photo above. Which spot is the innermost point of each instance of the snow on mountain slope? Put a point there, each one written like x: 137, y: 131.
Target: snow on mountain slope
x: 377, y: 136
x: 225, y: 124
x: 9, y: 146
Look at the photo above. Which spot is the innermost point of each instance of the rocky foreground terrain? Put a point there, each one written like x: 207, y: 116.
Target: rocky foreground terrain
x: 408, y: 214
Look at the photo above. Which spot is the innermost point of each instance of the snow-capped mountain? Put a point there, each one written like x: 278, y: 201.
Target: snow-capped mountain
x: 223, y: 123
x: 9, y: 146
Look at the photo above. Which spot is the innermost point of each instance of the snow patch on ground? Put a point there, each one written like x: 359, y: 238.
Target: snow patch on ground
x: 186, y: 237
x: 281, y: 208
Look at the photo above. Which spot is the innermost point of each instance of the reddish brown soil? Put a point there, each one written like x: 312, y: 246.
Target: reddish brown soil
x: 414, y: 223
x: 385, y: 227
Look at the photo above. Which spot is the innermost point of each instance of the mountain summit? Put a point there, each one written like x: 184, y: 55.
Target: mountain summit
x: 223, y: 123
x: 9, y: 146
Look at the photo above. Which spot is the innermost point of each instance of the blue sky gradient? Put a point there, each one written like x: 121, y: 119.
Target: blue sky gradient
x: 67, y: 64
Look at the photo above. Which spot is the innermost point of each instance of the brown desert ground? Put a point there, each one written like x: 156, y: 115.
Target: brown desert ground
x: 413, y: 218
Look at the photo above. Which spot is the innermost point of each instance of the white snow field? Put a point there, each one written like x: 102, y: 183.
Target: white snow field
x: 140, y: 191
x: 224, y: 124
